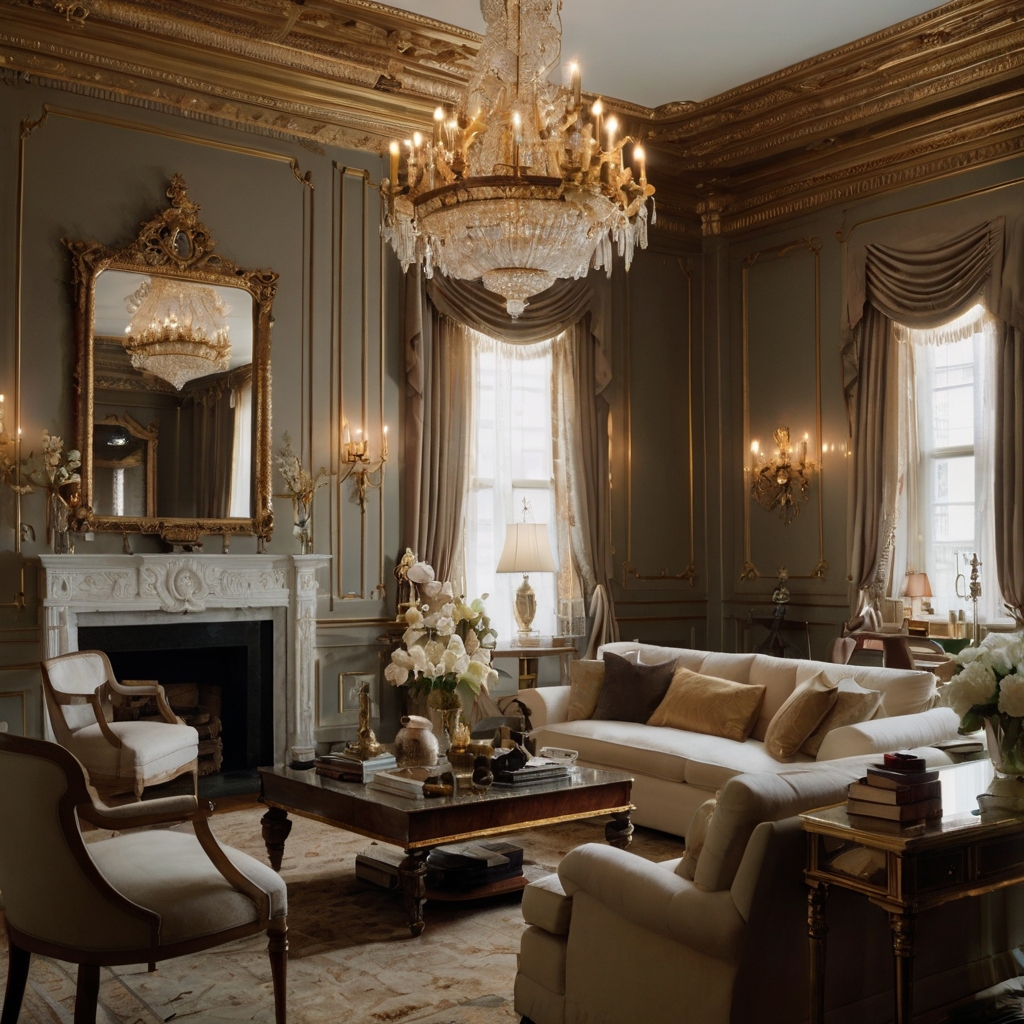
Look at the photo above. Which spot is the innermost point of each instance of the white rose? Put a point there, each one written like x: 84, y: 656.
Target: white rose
x: 420, y: 573
x: 472, y: 643
x: 1000, y: 660
x: 395, y: 674
x: 445, y: 625
x: 411, y: 637
x: 402, y: 658
x: 968, y: 655
x: 435, y: 650
x: 450, y: 659
x: 975, y: 684
x: 419, y: 658
x: 455, y: 644
x: 1011, y: 696
x: 461, y: 664
x: 414, y: 617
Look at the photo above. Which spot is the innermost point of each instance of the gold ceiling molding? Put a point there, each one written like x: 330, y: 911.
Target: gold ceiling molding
x: 916, y: 101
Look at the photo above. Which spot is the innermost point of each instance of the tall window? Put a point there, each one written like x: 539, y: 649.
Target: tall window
x: 952, y: 513
x: 511, y: 460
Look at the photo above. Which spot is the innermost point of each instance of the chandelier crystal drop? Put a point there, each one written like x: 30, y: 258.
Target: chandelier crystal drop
x: 522, y: 184
x: 178, y: 330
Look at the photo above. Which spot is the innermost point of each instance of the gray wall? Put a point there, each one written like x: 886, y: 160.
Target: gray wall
x: 96, y: 170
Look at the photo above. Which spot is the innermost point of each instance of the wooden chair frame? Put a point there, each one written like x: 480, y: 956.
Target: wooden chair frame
x: 101, y: 701
x: 81, y: 798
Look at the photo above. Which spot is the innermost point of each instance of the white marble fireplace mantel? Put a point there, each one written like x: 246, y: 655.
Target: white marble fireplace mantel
x: 137, y: 589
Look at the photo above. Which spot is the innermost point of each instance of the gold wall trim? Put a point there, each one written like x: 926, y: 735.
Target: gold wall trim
x: 689, y: 574
x: 750, y: 571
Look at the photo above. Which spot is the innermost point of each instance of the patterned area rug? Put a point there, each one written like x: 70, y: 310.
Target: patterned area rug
x: 352, y: 958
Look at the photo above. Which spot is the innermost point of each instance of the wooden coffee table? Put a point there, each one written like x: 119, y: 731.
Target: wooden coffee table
x: 419, y: 825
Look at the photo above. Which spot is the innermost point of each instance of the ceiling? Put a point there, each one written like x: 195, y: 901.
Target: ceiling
x: 672, y: 51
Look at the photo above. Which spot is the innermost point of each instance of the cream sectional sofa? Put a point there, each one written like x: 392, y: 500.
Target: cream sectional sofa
x: 616, y: 939
x: 675, y: 771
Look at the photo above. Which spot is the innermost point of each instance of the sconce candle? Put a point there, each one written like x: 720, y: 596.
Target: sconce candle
x: 366, y: 474
x: 780, y: 482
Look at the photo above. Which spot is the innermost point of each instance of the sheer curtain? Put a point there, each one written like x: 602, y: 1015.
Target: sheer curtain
x: 947, y: 429
x: 511, y: 461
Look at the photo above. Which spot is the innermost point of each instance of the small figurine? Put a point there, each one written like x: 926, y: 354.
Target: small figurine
x: 483, y: 777
x: 366, y: 746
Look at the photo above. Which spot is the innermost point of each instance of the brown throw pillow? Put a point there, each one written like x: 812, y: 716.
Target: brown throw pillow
x: 630, y: 693
x: 696, y: 832
x: 803, y: 712
x: 585, y: 680
x: 705, y: 704
x: 854, y: 704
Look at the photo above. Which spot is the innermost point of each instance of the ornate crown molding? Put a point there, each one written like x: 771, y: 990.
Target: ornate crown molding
x: 899, y: 106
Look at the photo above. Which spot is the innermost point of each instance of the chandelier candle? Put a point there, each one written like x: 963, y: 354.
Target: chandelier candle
x: 520, y: 193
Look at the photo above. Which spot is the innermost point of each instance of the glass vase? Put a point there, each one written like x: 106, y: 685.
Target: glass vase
x: 1005, y: 737
x: 302, y: 509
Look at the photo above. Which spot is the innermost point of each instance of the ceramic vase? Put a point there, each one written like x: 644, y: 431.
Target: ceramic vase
x: 415, y: 743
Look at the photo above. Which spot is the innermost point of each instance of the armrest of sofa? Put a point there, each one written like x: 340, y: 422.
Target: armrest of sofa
x: 655, y: 898
x: 546, y: 704
x: 881, y: 734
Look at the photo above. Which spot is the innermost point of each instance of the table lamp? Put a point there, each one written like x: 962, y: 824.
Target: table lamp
x: 916, y: 587
x: 527, y: 549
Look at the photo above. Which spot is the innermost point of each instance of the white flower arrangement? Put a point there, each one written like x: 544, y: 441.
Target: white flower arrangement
x: 300, y: 487
x: 447, y: 643
x: 989, y: 684
x: 58, y: 468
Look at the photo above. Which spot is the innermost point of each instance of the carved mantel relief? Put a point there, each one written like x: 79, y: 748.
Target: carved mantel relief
x: 142, y: 586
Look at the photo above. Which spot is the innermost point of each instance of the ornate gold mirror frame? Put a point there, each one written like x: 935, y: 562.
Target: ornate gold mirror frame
x: 174, y: 244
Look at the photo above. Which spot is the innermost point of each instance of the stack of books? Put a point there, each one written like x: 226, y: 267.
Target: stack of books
x: 347, y: 767
x: 407, y: 782
x: 537, y: 769
x: 902, y: 790
x: 466, y: 866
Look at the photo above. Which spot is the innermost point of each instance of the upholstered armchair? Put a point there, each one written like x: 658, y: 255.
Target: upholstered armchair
x: 139, y: 897
x: 120, y: 757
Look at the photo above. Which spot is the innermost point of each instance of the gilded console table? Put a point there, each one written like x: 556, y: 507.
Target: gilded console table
x: 964, y: 853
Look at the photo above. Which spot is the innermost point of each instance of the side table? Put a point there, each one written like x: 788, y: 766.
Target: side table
x: 914, y: 868
x: 528, y: 660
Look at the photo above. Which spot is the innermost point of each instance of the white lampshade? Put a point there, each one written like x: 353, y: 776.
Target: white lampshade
x: 527, y: 549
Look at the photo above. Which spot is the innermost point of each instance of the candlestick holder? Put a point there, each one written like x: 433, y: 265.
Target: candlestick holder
x: 367, y: 474
x: 782, y: 481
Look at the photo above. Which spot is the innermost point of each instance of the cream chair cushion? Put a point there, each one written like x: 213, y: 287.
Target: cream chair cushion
x: 153, y: 747
x: 546, y: 905
x: 168, y: 872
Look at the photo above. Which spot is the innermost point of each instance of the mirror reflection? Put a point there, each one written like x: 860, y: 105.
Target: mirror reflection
x: 172, y: 403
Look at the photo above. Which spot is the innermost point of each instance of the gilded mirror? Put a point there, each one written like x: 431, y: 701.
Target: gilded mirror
x: 173, y: 383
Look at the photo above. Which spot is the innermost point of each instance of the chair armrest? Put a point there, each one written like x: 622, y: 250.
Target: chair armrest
x: 881, y: 734
x: 655, y: 898
x: 142, y: 812
x: 546, y: 704
x: 153, y: 690
x: 96, y: 700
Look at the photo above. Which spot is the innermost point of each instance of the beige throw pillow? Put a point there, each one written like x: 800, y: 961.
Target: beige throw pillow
x: 853, y: 705
x: 695, y: 835
x: 801, y: 714
x: 705, y: 704
x: 585, y: 679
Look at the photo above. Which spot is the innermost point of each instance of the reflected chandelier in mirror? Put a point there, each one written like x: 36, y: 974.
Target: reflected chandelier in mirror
x: 172, y: 335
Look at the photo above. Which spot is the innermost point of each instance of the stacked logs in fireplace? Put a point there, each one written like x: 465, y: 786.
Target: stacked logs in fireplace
x: 196, y: 704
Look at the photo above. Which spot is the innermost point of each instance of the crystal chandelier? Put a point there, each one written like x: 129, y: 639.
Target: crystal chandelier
x: 520, y: 185
x: 178, y: 330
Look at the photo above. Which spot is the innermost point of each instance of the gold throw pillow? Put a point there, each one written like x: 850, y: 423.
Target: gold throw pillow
x: 802, y: 713
x: 854, y: 704
x: 585, y: 679
x: 705, y: 704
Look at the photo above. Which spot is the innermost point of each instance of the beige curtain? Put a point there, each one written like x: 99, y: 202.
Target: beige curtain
x: 213, y: 441
x: 1009, y: 467
x: 469, y: 302
x: 923, y: 288
x: 438, y: 414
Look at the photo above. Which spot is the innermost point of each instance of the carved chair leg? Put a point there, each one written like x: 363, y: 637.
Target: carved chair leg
x: 17, y: 976
x: 87, y: 994
x: 278, y: 949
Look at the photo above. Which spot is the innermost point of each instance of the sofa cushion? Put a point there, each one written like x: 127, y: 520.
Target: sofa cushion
x: 585, y: 679
x: 778, y: 677
x: 735, y: 667
x: 546, y: 905
x: 807, y: 706
x: 904, y: 691
x: 853, y: 704
x: 696, y: 832
x: 674, y: 755
x: 702, y: 703
x: 630, y: 693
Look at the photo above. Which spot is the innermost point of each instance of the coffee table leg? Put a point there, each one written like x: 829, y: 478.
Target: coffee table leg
x: 276, y: 827
x: 619, y: 831
x: 413, y: 872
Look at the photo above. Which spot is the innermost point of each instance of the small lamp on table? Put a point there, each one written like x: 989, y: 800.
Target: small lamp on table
x: 527, y: 549
x: 917, y: 587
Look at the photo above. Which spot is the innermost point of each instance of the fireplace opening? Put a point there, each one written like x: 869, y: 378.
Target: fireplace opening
x: 211, y: 671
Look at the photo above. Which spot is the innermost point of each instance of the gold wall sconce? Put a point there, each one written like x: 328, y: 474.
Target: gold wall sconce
x: 782, y: 480
x: 365, y: 472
